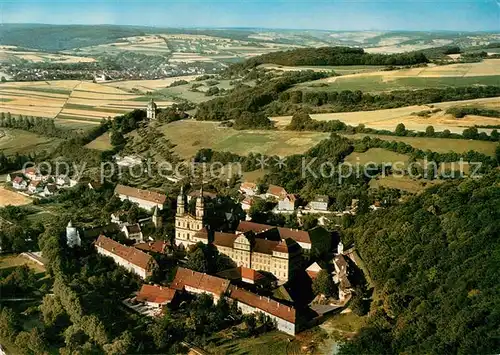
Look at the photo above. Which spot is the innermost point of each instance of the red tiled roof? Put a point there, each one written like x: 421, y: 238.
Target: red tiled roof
x: 30, y: 170
x: 276, y: 191
x: 248, y: 201
x: 224, y: 239
x: 155, y: 247
x: 204, y: 282
x: 250, y: 274
x: 155, y: 294
x: 141, y: 194
x: 246, y: 226
x: 132, y: 255
x: 262, y: 303
x: 248, y: 185
x: 133, y: 229
x: 292, y: 197
x: 18, y: 180
x: 35, y: 183
x: 297, y: 235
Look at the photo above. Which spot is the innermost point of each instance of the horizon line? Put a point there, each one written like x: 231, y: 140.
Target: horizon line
x: 246, y: 28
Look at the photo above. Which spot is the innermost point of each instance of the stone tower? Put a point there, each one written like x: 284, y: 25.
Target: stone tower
x: 72, y: 236
x: 340, y: 248
x: 157, y: 219
x: 200, y: 205
x: 151, y: 110
x: 181, y: 203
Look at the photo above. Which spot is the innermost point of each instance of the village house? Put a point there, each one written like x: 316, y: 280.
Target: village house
x: 157, y: 297
x: 248, y: 302
x: 313, y: 270
x: 320, y: 203
x: 287, y: 204
x: 49, y: 190
x: 11, y: 177
x: 247, y: 203
x: 19, y: 183
x: 130, y: 258
x: 248, y: 188
x: 35, y: 187
x: 144, y: 198
x: 197, y: 282
x: 32, y: 174
x: 62, y: 180
x: 133, y: 231
x: 276, y: 192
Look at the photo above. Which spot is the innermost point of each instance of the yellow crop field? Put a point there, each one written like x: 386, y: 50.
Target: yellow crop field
x: 388, y: 119
x: 74, y: 101
x: 12, y: 198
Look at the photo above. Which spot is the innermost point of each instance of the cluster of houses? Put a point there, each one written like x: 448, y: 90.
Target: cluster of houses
x: 288, y: 203
x: 32, y: 182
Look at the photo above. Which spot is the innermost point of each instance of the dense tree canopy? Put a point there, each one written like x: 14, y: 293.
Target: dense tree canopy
x: 434, y: 261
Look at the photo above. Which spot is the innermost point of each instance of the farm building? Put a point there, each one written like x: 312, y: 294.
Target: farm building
x: 144, y: 198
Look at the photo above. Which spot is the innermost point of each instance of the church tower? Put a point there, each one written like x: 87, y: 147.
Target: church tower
x: 200, y: 205
x: 340, y: 248
x: 151, y: 110
x: 72, y: 236
x: 156, y: 219
x: 181, y: 203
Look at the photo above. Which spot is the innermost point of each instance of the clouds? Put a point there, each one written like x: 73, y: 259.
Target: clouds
x: 300, y: 14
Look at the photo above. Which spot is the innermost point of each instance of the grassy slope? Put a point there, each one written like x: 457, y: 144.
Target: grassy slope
x: 22, y: 142
x: 190, y: 136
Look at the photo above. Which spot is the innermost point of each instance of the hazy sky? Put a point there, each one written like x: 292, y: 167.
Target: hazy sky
x: 466, y: 15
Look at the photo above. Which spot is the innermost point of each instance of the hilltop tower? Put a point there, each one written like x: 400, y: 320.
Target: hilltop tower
x: 151, y: 110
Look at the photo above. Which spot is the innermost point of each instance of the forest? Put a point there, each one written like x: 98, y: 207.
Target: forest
x: 333, y: 56
x: 434, y: 261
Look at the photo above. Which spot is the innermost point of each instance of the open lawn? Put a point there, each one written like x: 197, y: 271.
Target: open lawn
x: 8, y: 197
x: 190, y: 136
x: 388, y: 119
x: 271, y: 343
x: 16, y: 141
x: 440, y: 145
x: 404, y: 183
x: 13, y: 260
x: 377, y: 156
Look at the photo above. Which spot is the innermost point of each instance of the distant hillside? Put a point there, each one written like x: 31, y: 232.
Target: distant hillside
x: 333, y: 56
x: 434, y: 261
x: 53, y: 38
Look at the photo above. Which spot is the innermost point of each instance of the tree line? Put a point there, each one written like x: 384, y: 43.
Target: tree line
x: 332, y: 56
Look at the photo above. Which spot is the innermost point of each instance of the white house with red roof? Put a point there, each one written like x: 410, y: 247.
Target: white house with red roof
x: 19, y: 183
x: 130, y: 258
x: 35, y: 186
x: 248, y: 188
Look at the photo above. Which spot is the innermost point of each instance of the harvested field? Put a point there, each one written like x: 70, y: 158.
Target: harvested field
x: 390, y: 118
x: 486, y: 72
x: 190, y: 136
x: 12, y: 198
x: 71, y: 99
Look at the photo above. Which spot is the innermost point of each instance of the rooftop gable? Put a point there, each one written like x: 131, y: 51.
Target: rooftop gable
x: 145, y: 195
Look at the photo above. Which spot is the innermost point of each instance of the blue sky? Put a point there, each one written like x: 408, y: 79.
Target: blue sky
x: 464, y: 15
